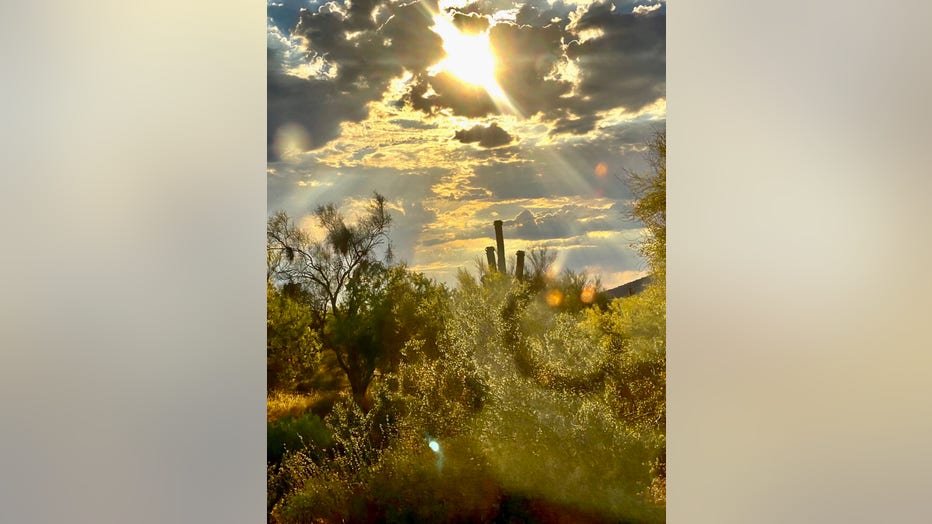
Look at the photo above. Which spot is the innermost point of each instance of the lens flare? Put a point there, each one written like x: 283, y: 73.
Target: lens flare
x: 601, y: 170
x: 554, y: 298
x: 291, y: 140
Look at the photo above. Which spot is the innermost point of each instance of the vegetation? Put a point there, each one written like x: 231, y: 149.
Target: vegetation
x: 396, y: 399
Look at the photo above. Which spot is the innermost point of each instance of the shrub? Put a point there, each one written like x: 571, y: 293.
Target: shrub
x: 294, y: 433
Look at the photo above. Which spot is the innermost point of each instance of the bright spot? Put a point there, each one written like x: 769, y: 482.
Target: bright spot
x: 434, y: 446
x: 554, y: 298
x: 469, y: 57
x: 587, y: 295
x: 290, y: 141
x: 601, y: 169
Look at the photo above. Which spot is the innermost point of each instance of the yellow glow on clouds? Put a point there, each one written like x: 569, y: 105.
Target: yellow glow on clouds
x: 469, y: 57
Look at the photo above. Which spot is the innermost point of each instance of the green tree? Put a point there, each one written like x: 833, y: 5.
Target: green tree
x: 291, y: 341
x: 367, y: 310
x: 650, y: 206
x: 329, y: 265
x: 335, y: 271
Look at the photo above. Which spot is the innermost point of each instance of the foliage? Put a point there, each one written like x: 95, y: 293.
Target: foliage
x: 574, y: 291
x: 633, y: 330
x: 292, y: 344
x: 386, y: 310
x: 527, y: 403
x: 540, y: 262
x: 295, y: 432
x: 365, y: 309
x: 650, y: 206
x: 498, y: 400
x: 329, y: 265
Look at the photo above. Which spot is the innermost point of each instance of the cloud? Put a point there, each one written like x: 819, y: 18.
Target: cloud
x: 364, y: 45
x: 594, y: 58
x: 564, y: 222
x: 470, y: 23
x: 431, y: 94
x: 527, y: 57
x: 298, y: 190
x: 313, y: 107
x: 625, y: 66
x: 487, y: 136
x: 284, y: 13
x: 646, y: 9
x: 351, y: 52
x: 575, y: 125
x: 351, y: 89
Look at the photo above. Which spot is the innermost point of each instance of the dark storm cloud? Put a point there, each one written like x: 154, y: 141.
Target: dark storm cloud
x: 574, y: 126
x: 369, y: 58
x: 364, y: 44
x: 527, y: 56
x: 621, y: 58
x: 622, y: 62
x: 317, y: 106
x: 450, y: 93
x: 490, y: 136
x: 625, y: 66
x: 530, y: 14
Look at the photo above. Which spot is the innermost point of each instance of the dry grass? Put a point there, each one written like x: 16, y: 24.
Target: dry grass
x: 278, y: 405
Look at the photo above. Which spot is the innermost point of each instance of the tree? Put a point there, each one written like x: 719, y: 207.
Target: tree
x: 540, y: 260
x: 336, y: 271
x: 388, y: 311
x: 329, y: 265
x: 367, y: 310
x: 291, y: 342
x: 650, y: 206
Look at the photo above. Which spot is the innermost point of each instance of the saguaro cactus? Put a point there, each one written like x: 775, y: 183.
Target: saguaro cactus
x: 500, y: 244
x: 490, y: 256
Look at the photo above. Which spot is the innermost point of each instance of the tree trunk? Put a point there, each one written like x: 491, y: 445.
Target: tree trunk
x: 359, y: 389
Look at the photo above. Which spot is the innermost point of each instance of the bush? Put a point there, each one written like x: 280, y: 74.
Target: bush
x: 294, y: 433
x: 540, y: 413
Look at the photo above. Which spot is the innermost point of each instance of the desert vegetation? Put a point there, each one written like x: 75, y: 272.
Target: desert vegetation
x: 502, y: 398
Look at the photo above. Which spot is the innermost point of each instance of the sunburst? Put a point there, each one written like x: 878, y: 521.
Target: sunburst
x: 469, y: 57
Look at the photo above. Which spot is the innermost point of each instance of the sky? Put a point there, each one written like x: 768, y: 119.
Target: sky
x: 461, y: 113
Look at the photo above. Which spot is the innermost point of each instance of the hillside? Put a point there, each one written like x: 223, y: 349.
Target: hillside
x: 631, y: 288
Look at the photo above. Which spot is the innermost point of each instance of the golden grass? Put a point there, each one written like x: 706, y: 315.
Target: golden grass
x: 278, y: 405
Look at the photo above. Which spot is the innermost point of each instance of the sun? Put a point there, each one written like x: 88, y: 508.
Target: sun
x: 469, y: 57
